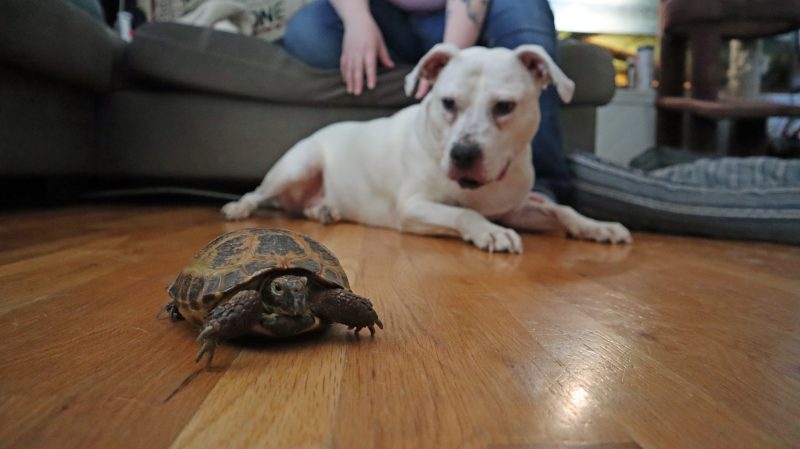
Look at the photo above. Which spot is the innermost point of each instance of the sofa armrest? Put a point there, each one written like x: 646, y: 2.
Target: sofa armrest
x: 592, y: 69
x: 59, y: 41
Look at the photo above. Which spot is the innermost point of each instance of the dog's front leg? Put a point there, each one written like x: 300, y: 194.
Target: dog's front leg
x: 422, y: 216
x: 538, y: 213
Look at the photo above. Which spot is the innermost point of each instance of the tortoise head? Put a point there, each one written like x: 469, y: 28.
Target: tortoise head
x: 287, y: 295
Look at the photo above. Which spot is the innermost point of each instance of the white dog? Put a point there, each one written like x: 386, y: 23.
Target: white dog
x: 458, y: 163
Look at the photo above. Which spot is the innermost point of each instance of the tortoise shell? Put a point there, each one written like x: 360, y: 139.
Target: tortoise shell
x: 238, y: 258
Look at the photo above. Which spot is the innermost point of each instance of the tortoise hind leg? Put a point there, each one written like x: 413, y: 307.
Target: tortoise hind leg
x: 232, y: 318
x: 344, y: 306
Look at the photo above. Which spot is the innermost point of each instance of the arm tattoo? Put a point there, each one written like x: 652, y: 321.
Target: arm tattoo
x: 476, y: 10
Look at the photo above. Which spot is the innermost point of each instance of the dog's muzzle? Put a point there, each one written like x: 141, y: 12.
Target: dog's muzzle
x: 465, y: 158
x: 464, y: 155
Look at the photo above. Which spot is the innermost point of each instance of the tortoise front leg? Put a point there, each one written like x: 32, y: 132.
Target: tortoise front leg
x: 344, y: 306
x: 232, y: 318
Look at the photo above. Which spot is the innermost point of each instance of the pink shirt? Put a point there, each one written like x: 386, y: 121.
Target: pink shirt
x: 419, y: 5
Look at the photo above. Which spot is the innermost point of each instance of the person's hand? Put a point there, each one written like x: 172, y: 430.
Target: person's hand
x: 362, y: 47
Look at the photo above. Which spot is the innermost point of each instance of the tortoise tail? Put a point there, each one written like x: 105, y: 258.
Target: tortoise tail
x: 172, y: 312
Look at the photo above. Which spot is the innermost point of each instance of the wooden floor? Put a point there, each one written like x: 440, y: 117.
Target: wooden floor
x: 668, y: 343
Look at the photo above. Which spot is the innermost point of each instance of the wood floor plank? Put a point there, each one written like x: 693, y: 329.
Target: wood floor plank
x: 275, y: 396
x: 743, y: 322
x: 638, y: 391
x: 108, y: 353
x: 37, y: 278
x: 771, y: 262
x: 669, y: 343
x: 486, y: 381
x: 682, y: 334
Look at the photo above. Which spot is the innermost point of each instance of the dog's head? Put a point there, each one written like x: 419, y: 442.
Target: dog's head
x: 483, y: 109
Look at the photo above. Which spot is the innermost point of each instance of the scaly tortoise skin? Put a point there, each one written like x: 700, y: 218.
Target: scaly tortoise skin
x: 273, y: 282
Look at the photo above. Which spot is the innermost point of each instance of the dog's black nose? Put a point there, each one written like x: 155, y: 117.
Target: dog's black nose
x: 464, y: 155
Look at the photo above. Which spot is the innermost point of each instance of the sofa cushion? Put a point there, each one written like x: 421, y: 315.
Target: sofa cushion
x: 58, y: 40
x: 208, y: 60
x: 215, y: 61
x: 739, y: 198
x: 179, y: 135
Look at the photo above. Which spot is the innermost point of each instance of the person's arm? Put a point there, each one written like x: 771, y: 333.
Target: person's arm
x: 362, y: 45
x: 464, y: 19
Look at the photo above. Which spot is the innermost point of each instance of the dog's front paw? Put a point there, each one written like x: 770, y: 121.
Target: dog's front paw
x: 237, y: 210
x: 493, y: 238
x: 602, y: 231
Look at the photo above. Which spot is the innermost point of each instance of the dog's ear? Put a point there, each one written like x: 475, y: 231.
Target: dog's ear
x: 430, y: 65
x: 545, y: 70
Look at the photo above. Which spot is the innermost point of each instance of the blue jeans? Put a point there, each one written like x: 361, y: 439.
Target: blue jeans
x: 314, y: 35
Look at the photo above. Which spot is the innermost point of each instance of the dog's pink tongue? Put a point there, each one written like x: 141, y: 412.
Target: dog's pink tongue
x: 472, y: 178
x: 469, y: 183
x: 505, y: 170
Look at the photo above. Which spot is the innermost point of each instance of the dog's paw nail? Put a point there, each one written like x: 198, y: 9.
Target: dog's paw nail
x: 497, y: 239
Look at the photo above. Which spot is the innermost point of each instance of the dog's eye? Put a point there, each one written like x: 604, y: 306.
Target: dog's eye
x: 502, y: 108
x: 449, y: 104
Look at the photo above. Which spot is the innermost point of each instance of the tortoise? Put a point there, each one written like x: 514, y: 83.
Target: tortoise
x: 273, y: 282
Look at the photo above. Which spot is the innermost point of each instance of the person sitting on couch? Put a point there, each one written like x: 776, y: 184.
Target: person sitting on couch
x: 356, y: 35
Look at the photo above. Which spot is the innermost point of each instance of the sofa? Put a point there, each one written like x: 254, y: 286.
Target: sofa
x: 187, y: 104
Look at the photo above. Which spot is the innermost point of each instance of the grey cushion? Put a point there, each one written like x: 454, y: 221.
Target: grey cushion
x: 58, y: 40
x: 47, y: 126
x: 191, y: 135
x: 740, y: 198
x: 214, y: 61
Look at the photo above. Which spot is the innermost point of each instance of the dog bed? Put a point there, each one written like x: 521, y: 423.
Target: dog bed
x: 756, y: 198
